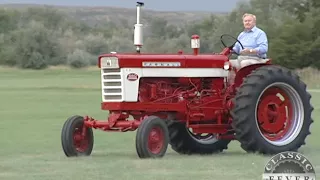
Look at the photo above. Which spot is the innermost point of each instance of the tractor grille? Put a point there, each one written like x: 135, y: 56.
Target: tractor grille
x: 112, y: 85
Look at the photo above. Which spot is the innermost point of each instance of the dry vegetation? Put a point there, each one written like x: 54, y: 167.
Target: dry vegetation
x: 311, y: 76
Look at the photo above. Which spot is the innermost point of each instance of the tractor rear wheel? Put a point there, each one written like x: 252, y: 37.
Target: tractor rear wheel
x: 185, y: 142
x: 152, y: 138
x: 73, y: 143
x: 272, y: 111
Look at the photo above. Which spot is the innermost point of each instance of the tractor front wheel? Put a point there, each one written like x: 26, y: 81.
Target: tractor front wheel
x: 272, y: 111
x: 152, y: 138
x: 74, y: 143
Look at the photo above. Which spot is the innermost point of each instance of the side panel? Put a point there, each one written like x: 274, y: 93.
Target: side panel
x: 131, y: 86
x: 184, y: 72
x: 125, y: 86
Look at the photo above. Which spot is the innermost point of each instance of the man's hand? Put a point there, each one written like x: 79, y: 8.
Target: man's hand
x: 245, y: 51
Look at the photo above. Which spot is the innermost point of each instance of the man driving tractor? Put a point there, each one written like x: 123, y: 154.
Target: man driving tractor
x: 254, y: 41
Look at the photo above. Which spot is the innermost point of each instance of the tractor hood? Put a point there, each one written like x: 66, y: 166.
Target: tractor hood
x: 162, y: 60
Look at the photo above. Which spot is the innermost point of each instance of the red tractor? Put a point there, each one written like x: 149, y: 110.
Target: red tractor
x: 197, y: 103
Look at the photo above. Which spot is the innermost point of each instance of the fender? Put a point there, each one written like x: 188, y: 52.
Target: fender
x: 243, y: 72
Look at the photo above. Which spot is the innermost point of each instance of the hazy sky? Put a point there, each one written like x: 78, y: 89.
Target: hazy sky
x: 161, y: 5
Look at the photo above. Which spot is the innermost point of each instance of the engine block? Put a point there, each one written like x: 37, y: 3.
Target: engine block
x: 204, y: 97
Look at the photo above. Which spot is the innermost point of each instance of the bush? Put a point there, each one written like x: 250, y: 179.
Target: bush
x: 79, y: 59
x: 34, y: 61
x: 96, y: 44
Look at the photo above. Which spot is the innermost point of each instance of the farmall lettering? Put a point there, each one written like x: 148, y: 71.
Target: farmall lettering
x: 161, y: 64
x: 192, y: 101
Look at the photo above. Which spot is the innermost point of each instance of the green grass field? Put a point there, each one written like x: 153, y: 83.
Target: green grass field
x: 35, y: 104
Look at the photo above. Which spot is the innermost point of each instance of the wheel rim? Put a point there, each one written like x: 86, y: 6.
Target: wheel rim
x: 80, y: 143
x: 203, y: 138
x: 156, y: 140
x: 279, y: 114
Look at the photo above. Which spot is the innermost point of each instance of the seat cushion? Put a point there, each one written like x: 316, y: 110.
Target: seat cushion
x: 234, y: 63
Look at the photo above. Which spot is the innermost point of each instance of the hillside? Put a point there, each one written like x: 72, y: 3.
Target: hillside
x: 163, y: 5
x: 97, y: 15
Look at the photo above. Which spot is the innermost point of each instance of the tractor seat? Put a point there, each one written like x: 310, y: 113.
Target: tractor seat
x: 235, y: 63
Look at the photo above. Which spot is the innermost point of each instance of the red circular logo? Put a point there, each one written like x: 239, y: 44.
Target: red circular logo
x: 132, y: 76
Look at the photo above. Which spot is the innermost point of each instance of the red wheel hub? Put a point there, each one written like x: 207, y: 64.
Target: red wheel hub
x: 156, y: 140
x: 80, y: 142
x: 274, y: 113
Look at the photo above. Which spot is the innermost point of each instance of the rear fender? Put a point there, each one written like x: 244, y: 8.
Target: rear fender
x: 244, y: 72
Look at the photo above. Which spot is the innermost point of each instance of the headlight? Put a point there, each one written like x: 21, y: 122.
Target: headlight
x: 226, y: 66
x: 109, y: 62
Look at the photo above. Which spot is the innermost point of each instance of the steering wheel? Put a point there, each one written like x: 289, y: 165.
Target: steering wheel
x: 230, y: 47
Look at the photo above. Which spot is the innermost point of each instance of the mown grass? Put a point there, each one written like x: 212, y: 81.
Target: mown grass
x: 35, y: 104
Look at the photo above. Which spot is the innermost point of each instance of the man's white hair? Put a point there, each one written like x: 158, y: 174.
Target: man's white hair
x: 252, y: 15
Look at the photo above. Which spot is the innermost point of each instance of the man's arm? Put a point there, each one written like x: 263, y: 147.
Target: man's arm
x: 262, y: 42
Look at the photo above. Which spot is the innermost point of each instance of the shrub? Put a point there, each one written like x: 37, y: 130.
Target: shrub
x: 34, y: 61
x: 79, y: 59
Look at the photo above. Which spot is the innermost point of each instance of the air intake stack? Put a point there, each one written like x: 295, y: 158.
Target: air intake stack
x: 138, y: 29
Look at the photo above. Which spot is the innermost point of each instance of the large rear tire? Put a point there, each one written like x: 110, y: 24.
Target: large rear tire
x: 267, y: 123
x: 185, y: 142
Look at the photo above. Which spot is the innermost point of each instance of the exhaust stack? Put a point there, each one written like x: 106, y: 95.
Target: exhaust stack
x: 138, y: 29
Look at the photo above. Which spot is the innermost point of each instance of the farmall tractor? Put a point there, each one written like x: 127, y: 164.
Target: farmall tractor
x: 197, y: 103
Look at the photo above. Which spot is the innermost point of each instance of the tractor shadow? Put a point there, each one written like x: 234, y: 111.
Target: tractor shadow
x: 115, y: 155
x: 132, y: 155
x: 230, y: 153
